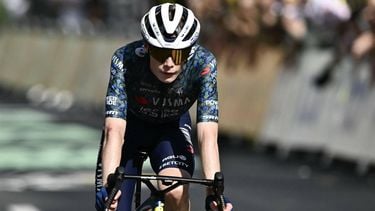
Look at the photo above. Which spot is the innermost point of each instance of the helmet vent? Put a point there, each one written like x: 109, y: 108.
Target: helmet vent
x: 148, y: 27
x: 191, y: 31
x: 172, y: 11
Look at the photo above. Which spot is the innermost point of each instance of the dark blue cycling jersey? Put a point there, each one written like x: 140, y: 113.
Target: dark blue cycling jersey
x: 133, y: 87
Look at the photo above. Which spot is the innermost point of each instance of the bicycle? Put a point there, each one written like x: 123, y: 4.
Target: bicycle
x: 156, y: 199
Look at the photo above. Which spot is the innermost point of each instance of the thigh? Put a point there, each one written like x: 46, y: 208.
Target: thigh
x: 136, y: 138
x: 138, y: 135
x: 174, y: 149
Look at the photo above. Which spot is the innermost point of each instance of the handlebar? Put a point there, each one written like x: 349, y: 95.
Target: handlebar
x: 219, y: 190
x: 114, y: 184
x: 115, y: 181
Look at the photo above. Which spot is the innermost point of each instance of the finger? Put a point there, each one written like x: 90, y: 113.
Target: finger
x: 118, y: 194
x: 213, y: 206
x: 113, y: 205
x: 228, y: 207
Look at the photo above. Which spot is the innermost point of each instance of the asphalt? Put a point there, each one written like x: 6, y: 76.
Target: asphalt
x: 39, y: 174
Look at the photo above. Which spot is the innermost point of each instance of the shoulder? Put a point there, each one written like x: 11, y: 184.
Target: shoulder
x: 202, y: 54
x: 130, y: 51
x: 204, y: 61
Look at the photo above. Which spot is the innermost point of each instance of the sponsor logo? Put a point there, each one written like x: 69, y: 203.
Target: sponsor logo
x: 169, y: 113
x: 172, y: 102
x: 149, y: 112
x: 192, y: 52
x: 144, y: 33
x: 155, y: 29
x: 140, y: 52
x: 174, y: 157
x: 111, y: 100
x: 147, y: 90
x: 141, y: 100
x: 180, y: 91
x: 174, y: 160
x: 205, y: 71
x: 210, y: 103
x: 117, y: 62
x: 173, y: 163
x: 210, y: 117
x: 111, y: 113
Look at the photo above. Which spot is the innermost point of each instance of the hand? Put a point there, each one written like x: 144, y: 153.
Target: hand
x: 114, y: 203
x: 101, y: 198
x: 211, y: 204
x: 363, y: 44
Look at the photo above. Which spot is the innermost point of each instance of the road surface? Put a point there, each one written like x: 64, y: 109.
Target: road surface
x: 47, y: 164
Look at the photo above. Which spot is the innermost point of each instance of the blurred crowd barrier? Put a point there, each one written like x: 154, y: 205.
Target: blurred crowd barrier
x: 324, y: 96
x: 337, y: 120
x: 56, y: 70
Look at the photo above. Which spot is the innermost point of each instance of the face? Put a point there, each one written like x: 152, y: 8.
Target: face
x: 167, y: 71
x: 166, y: 64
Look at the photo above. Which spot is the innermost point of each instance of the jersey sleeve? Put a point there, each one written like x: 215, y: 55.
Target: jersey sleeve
x: 207, y: 102
x: 116, y: 97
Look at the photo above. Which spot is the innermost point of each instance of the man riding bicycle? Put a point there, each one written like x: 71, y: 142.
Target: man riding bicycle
x: 153, y: 83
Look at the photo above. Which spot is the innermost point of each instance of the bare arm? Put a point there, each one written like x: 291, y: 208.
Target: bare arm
x: 112, y: 145
x: 207, y: 139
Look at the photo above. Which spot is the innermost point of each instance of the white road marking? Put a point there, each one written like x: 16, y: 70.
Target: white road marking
x: 46, y: 181
x: 21, y: 207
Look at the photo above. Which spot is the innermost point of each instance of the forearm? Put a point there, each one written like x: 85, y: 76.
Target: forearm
x: 112, y: 149
x: 209, y: 150
x: 210, y: 158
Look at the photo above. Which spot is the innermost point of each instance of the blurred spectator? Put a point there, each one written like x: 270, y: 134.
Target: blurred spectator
x: 268, y: 12
x: 210, y: 14
x: 241, y: 23
x: 365, y: 41
x: 182, y: 2
x: 292, y: 22
x: 364, y: 44
x: 43, y: 13
x: 242, y: 20
x: 70, y: 16
x: 327, y: 14
x: 206, y: 9
x: 96, y: 11
x: 16, y: 9
x: 331, y: 27
x: 293, y: 19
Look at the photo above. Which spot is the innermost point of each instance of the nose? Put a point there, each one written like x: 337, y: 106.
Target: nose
x: 169, y: 62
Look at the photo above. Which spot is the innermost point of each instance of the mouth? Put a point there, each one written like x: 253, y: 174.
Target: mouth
x: 168, y: 73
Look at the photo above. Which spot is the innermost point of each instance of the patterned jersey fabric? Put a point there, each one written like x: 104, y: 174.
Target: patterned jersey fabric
x: 134, y: 88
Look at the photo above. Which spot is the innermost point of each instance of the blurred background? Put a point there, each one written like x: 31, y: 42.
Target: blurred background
x: 297, y: 114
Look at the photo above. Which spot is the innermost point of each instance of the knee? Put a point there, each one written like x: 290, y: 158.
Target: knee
x: 179, y: 194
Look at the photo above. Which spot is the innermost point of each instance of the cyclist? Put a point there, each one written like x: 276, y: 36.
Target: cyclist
x: 153, y: 83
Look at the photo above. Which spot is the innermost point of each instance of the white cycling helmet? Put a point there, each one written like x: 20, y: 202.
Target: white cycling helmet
x: 170, y: 26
